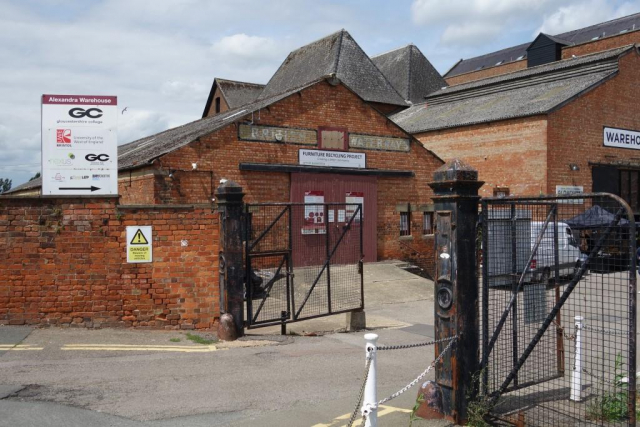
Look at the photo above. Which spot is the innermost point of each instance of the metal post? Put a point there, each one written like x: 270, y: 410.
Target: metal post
x: 229, y: 196
x: 370, y: 396
x: 456, y: 302
x: 576, y: 373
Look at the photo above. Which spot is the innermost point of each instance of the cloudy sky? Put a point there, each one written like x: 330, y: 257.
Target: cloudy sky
x: 160, y: 56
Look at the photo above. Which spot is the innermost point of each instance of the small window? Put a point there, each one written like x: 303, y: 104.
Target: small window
x: 405, y: 223
x: 217, y: 105
x: 427, y: 223
x: 501, y: 192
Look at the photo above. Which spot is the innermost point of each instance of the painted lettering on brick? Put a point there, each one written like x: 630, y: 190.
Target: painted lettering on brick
x: 277, y: 134
x: 369, y: 142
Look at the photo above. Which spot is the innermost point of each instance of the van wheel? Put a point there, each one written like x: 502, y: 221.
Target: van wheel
x: 545, y: 276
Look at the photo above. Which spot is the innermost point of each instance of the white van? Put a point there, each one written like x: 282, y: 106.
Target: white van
x: 569, y: 256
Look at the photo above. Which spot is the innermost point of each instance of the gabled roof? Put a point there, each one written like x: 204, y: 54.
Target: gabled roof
x: 536, y: 90
x: 34, y: 183
x: 336, y: 55
x: 235, y: 93
x: 410, y: 72
x: 582, y: 35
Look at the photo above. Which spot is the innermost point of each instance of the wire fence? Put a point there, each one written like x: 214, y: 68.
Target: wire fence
x: 547, y: 262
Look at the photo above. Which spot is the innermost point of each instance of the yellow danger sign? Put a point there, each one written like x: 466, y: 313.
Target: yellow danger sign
x: 139, y: 239
x: 139, y: 244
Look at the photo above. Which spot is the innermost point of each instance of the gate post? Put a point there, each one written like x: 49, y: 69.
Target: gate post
x: 229, y: 197
x: 456, y: 185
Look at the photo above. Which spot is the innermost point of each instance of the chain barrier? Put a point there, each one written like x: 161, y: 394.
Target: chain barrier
x: 404, y: 346
x: 568, y: 337
x: 364, y: 383
x: 605, y: 331
x: 414, y: 382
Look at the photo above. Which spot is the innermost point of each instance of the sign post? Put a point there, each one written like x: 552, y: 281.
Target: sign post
x: 79, y: 145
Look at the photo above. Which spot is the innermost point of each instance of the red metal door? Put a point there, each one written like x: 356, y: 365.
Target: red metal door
x: 335, y: 188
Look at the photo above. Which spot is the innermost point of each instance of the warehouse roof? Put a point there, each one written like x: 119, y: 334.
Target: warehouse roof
x: 410, y: 72
x: 535, y: 90
x: 335, y: 55
x: 235, y: 93
x: 582, y: 35
x: 34, y: 183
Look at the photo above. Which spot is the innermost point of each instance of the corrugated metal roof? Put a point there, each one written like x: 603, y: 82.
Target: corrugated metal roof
x: 604, y: 29
x: 410, y: 72
x: 337, y: 54
x: 536, y: 90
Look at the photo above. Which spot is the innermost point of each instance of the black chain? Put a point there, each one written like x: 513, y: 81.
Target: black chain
x: 364, y: 383
x: 422, y: 344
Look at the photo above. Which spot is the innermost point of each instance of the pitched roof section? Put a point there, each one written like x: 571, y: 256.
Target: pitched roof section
x: 34, y: 183
x: 144, y: 151
x: 235, y: 93
x: 410, y: 73
x: 582, y: 35
x: 536, y: 90
x: 337, y: 54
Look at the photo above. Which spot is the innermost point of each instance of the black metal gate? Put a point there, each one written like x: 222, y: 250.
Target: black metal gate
x: 302, y: 261
x: 558, y: 310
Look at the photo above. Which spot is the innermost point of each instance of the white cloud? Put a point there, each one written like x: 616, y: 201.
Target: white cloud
x: 470, y: 35
x: 583, y: 14
x: 244, y: 46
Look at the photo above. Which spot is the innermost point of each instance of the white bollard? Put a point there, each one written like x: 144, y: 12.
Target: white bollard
x: 576, y: 373
x: 370, y: 396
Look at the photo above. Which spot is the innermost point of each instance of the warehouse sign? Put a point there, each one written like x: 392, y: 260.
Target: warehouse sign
x: 384, y: 143
x: 621, y: 138
x: 338, y: 159
x: 139, y: 244
x: 79, y: 145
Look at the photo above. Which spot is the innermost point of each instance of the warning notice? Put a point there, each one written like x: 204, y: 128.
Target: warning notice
x: 139, y: 244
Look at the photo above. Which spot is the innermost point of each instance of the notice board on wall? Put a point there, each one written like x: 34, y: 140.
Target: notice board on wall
x: 353, y: 199
x: 314, y: 218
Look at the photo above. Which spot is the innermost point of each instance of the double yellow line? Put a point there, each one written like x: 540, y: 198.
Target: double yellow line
x: 127, y: 347
x: 18, y: 347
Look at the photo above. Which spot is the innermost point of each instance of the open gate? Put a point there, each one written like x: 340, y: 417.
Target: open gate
x: 558, y: 310
x: 302, y: 261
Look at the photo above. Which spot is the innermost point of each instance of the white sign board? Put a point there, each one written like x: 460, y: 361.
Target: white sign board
x: 339, y: 159
x: 139, y: 244
x: 570, y: 190
x: 79, y: 145
x: 621, y: 138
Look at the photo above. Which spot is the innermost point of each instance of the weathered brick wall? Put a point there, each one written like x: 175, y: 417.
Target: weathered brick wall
x: 509, y: 153
x: 606, y: 43
x: 223, y: 103
x: 64, y: 263
x: 137, y: 186
x: 320, y: 105
x: 576, y: 130
x: 487, y: 72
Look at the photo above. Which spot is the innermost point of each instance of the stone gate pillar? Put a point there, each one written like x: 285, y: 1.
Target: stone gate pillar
x: 229, y: 197
x: 456, y: 200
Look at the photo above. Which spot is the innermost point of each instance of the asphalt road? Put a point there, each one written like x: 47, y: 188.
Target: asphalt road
x: 78, y: 377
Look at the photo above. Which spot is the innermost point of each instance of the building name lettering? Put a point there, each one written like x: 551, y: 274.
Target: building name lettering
x: 386, y: 143
x: 621, y: 138
x: 277, y: 134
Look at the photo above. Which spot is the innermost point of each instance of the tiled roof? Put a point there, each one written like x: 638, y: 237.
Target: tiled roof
x: 410, y: 73
x: 536, y: 90
x: 336, y: 55
x: 582, y: 35
x: 34, y: 183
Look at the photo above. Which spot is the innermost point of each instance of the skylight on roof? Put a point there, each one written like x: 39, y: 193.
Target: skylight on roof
x: 499, y: 62
x: 520, y: 57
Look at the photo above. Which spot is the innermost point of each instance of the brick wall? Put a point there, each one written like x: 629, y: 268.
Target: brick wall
x: 487, y: 72
x: 606, y: 43
x: 64, y: 263
x: 223, y: 103
x: 508, y: 153
x: 576, y: 130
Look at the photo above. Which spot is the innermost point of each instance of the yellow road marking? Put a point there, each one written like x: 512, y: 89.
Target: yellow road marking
x: 18, y: 347
x: 132, y: 347
x: 382, y: 411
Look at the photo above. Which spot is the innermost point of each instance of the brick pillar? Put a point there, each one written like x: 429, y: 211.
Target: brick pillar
x: 229, y: 197
x: 456, y: 199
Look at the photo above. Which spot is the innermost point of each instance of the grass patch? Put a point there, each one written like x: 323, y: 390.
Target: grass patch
x: 175, y: 340
x: 612, y: 406
x: 198, y: 339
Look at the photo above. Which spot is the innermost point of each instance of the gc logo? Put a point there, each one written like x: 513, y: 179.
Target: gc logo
x: 99, y: 157
x: 92, y: 113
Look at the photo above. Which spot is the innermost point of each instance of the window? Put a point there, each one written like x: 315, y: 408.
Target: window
x: 501, y: 191
x: 217, y: 104
x: 427, y: 223
x: 405, y: 223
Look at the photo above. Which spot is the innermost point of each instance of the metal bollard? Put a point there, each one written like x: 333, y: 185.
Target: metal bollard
x: 370, y: 396
x: 576, y: 373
